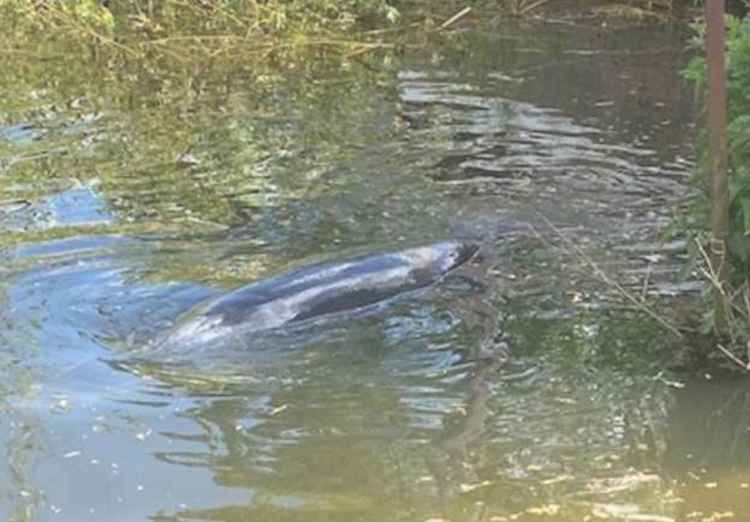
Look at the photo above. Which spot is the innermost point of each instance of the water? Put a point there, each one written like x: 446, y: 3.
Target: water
x: 529, y: 391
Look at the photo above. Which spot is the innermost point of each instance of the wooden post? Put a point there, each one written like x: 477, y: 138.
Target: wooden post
x: 717, y: 131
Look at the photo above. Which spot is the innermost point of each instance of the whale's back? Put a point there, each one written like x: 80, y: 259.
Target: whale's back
x: 319, y: 289
x: 315, y: 283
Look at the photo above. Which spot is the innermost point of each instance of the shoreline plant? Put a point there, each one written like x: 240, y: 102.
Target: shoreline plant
x: 738, y: 137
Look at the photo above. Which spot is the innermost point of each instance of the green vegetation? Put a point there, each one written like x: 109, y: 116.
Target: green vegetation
x: 738, y: 134
x: 738, y: 88
x: 186, y: 31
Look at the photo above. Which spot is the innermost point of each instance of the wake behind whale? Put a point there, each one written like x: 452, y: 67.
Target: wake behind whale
x: 317, y: 290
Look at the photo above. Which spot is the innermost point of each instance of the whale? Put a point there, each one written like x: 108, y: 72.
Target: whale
x: 319, y: 290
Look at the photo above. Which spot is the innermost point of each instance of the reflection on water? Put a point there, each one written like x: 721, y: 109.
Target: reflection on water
x: 706, y: 450
x: 524, y: 393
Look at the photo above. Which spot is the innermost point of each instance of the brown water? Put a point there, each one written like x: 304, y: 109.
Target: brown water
x: 122, y: 214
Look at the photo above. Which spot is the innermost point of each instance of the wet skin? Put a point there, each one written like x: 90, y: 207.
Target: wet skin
x: 320, y: 289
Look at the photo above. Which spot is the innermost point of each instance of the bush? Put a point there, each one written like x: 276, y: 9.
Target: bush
x: 738, y: 134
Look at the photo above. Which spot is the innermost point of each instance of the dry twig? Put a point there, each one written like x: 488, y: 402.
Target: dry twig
x: 455, y: 18
x: 601, y: 274
x: 734, y: 358
x: 734, y: 311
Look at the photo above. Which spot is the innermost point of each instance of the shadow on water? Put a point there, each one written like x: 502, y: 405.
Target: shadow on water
x: 121, y: 219
x: 706, y: 446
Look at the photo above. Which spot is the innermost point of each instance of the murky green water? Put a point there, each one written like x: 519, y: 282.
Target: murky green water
x: 122, y: 213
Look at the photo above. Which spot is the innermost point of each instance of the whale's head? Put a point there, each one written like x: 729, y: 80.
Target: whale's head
x: 452, y: 254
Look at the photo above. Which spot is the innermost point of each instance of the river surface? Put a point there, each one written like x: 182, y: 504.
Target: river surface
x: 523, y: 389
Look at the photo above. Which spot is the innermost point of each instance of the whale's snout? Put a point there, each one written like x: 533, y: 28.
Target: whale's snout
x: 465, y: 252
x: 459, y: 253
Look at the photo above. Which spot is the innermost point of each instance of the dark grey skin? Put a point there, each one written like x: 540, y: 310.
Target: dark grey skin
x: 318, y: 290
